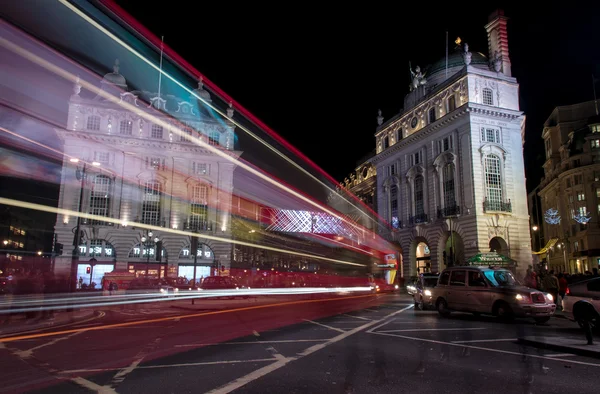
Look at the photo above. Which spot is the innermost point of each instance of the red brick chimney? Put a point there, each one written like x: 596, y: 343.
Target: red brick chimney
x: 498, y: 39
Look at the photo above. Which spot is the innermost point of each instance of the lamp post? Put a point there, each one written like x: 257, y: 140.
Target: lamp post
x: 81, y: 175
x: 148, y: 242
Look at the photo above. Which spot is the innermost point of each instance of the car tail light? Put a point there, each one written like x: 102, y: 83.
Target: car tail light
x: 568, y: 291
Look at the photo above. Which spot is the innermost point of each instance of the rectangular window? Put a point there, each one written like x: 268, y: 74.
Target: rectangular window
x: 186, y: 135
x: 595, y: 128
x: 416, y: 158
x: 595, y: 144
x: 488, y: 96
x: 580, y: 196
x: 201, y: 168
x: 151, y: 203
x: 489, y: 134
x: 100, y: 197
x: 153, y: 163
x: 199, y: 208
x: 93, y: 123
x: 101, y: 157
x: 432, y: 115
x: 393, y: 169
x: 451, y: 103
x: 157, y: 131
x: 386, y: 142
x: 126, y: 127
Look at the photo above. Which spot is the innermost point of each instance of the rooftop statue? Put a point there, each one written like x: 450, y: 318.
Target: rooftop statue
x: 418, y: 78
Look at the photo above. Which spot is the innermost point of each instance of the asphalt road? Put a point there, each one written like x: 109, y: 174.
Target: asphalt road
x: 365, y: 345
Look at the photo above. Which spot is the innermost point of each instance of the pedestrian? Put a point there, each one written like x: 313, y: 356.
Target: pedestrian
x: 551, y: 285
x: 562, y: 287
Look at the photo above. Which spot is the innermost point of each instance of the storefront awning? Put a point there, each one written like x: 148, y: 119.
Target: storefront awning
x: 550, y: 244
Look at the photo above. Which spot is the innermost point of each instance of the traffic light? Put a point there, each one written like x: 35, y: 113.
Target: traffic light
x: 88, y: 270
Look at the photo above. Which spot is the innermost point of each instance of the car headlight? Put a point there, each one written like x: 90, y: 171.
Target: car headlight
x: 176, y: 289
x: 522, y: 298
x: 396, y: 287
x: 427, y: 293
x: 162, y: 290
x: 549, y: 297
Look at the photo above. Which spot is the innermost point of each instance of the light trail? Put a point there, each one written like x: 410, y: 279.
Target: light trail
x: 162, y: 72
x: 68, y: 212
x: 171, y: 318
x: 151, y: 118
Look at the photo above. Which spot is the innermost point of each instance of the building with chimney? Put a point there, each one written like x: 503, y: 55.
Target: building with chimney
x: 450, y: 168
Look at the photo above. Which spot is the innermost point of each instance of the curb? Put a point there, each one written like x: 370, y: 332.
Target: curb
x: 562, y: 348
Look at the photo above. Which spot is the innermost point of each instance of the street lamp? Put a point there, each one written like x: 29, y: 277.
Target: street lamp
x: 147, y: 243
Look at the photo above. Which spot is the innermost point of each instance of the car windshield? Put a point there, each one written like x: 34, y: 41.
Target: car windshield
x: 430, y: 282
x: 501, y: 278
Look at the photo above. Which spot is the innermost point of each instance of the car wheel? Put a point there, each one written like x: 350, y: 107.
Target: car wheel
x: 503, y: 311
x: 442, y: 307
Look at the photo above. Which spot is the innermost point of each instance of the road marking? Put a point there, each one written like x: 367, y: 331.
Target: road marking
x: 242, y: 381
x: 93, y: 386
x: 74, y: 371
x: 357, y: 317
x: 253, y: 342
x: 488, y: 340
x: 163, y: 319
x: 325, y: 325
x: 28, y: 353
x: 437, y: 329
x: 483, y: 348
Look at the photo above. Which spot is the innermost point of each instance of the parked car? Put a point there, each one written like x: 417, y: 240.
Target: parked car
x: 582, y: 302
x: 490, y: 290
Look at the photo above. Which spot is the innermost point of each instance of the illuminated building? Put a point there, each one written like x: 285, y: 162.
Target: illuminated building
x: 450, y: 168
x: 571, y: 186
x: 129, y: 164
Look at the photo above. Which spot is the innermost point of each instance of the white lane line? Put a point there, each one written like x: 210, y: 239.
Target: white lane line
x: 488, y: 340
x: 386, y: 321
x: 73, y: 371
x: 253, y: 342
x: 357, y: 317
x: 29, y: 352
x: 560, y: 355
x: 242, y: 381
x: 436, y: 329
x: 483, y: 348
x: 325, y: 325
x: 93, y: 386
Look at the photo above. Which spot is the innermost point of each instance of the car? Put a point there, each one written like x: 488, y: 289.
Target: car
x: 490, y: 290
x: 423, y: 295
x: 582, y: 302
x: 168, y: 290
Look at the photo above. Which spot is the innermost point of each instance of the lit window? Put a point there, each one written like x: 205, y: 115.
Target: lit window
x: 595, y: 144
x: 595, y: 128
x: 580, y: 196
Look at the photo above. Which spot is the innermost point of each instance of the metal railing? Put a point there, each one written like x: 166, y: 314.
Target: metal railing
x: 496, y: 206
x: 452, y: 210
x: 417, y: 219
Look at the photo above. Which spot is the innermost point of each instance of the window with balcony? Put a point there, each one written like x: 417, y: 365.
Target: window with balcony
x: 100, y: 197
x: 151, y: 203
x: 394, y: 219
x: 449, y: 187
x: 419, y: 196
x: 493, y: 185
x: 93, y: 123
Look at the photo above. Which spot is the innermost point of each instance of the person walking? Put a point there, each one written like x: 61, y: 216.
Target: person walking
x: 551, y: 285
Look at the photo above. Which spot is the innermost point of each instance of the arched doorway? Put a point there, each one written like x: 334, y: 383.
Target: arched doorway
x: 423, y: 257
x: 454, y: 250
x: 499, y: 246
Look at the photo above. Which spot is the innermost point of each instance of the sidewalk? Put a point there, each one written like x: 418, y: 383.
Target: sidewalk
x: 571, y: 344
x: 17, y: 324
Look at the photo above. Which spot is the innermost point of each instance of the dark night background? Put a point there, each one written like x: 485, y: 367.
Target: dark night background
x: 318, y: 75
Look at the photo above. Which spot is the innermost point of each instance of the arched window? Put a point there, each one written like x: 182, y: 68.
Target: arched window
x: 199, y: 208
x: 100, y: 197
x: 493, y: 182
x: 151, y: 203
x: 487, y: 96
x: 93, y: 123
x: 419, y: 198
x: 448, y: 184
x: 394, y: 219
x: 432, y: 115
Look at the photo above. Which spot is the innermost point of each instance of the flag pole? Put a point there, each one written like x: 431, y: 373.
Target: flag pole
x: 446, y: 54
x: 162, y: 39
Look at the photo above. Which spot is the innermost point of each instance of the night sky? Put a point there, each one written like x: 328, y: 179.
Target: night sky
x: 318, y: 75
